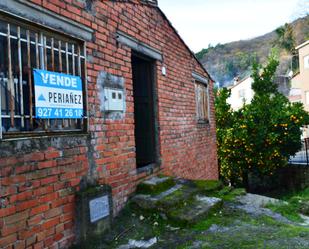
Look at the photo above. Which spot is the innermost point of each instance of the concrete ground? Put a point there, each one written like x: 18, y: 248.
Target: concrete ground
x: 242, y: 222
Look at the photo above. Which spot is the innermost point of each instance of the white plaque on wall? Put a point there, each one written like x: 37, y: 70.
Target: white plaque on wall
x: 99, y: 208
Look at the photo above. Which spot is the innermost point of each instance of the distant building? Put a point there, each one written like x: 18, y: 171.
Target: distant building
x: 300, y: 81
x: 241, y: 93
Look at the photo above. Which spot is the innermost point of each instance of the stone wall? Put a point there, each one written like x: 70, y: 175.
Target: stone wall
x: 289, y: 178
x: 294, y: 177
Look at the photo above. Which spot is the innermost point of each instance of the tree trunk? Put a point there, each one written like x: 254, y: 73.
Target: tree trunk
x: 245, y: 180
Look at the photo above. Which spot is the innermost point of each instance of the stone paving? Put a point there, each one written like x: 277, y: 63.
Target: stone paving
x: 234, y: 221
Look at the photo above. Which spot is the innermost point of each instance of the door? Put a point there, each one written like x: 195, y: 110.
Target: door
x: 144, y: 118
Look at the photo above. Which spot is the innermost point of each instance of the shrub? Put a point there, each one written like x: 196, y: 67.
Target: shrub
x: 261, y: 136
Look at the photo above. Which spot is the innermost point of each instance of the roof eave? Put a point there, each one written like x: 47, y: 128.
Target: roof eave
x: 302, y: 45
x: 191, y: 52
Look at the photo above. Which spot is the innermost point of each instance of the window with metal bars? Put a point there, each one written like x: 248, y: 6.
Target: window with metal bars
x: 202, y: 102
x: 22, y: 49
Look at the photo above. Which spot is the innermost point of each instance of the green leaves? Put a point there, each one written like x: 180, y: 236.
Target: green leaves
x: 286, y: 39
x: 263, y: 81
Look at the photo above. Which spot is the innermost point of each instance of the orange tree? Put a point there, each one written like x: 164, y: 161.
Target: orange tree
x: 261, y: 136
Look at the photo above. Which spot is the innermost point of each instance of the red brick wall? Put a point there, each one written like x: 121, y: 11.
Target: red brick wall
x: 37, y: 185
x: 38, y: 177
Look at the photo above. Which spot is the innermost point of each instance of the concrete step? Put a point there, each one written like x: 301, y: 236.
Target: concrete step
x: 183, y: 203
x: 175, y: 196
x: 155, y: 185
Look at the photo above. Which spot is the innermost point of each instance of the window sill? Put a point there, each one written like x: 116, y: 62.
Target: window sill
x: 203, y: 121
x: 203, y: 124
x: 148, y: 169
x: 41, y: 135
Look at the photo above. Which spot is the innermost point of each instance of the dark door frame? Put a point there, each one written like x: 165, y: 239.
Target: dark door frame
x: 154, y: 92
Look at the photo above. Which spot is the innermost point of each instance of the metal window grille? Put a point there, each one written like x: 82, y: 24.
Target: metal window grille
x: 202, y: 102
x: 23, y: 48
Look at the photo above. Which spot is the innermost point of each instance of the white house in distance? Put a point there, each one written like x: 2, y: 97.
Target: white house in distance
x: 300, y: 81
x: 241, y: 93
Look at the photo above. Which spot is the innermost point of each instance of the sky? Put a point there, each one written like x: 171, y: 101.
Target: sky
x: 204, y: 22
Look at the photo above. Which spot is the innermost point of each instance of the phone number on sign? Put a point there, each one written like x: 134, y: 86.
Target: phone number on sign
x: 44, y: 112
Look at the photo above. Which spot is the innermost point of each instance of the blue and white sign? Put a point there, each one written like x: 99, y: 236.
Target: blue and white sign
x: 57, y: 95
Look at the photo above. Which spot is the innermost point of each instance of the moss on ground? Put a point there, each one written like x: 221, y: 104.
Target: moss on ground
x: 208, y: 186
x: 175, y: 195
x: 287, y: 210
x: 224, y: 217
x: 228, y: 193
x: 228, y: 227
x: 178, y: 217
x: 131, y: 224
x: 177, y: 199
x: 244, y: 231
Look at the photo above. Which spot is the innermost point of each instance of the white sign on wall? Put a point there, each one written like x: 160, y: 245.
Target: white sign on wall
x: 99, y: 208
x: 57, y: 95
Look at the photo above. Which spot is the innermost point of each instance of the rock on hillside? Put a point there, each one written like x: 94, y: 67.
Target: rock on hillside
x: 226, y: 61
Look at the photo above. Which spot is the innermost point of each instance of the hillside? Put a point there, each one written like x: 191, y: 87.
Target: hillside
x: 226, y: 61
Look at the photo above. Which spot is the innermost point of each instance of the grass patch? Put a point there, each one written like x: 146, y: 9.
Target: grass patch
x: 287, y: 210
x: 177, y: 199
x: 208, y: 185
x: 224, y: 217
x: 176, y: 194
x: 244, y: 231
x: 235, y: 228
x: 228, y: 193
x: 131, y: 224
x: 298, y: 202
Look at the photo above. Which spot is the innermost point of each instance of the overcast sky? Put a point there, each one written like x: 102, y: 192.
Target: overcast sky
x: 203, y: 22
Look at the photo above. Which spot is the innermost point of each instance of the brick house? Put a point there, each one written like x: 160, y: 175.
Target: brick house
x: 147, y: 108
